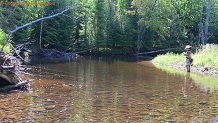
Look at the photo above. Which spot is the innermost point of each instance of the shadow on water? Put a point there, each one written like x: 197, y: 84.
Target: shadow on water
x: 119, y: 58
x: 108, y: 59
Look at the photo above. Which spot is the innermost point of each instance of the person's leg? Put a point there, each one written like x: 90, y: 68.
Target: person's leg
x: 188, y: 68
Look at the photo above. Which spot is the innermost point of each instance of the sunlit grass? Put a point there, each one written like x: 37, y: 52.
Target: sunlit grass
x: 169, y: 58
x: 205, y: 57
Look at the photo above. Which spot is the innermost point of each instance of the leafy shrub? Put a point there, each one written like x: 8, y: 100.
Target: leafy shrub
x: 3, y: 37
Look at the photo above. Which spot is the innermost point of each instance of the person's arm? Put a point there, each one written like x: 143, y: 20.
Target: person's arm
x: 187, y: 53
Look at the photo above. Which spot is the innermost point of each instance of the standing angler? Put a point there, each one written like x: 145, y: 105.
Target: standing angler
x: 188, y: 58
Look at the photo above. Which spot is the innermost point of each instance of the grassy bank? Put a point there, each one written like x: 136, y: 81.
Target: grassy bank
x: 205, y: 59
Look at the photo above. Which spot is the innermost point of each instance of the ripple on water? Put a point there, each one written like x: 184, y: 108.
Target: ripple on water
x: 95, y: 91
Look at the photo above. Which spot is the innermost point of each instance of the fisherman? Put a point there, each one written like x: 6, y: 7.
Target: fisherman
x: 188, y: 58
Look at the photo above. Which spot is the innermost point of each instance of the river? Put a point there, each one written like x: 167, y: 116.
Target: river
x: 108, y: 90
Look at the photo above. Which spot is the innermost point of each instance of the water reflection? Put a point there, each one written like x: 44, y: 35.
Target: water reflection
x: 207, y: 83
x: 187, y: 85
x: 107, y: 90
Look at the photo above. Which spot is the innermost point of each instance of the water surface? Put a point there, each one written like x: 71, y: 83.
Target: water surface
x: 108, y: 90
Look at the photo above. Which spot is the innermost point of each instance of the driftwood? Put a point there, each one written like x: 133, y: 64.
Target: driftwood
x: 20, y: 84
x: 58, y: 55
x: 11, y: 67
x: 10, y: 70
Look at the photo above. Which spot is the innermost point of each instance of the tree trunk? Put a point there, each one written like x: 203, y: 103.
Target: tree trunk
x: 40, y: 37
x: 138, y: 28
x: 201, y: 26
x: 202, y: 33
x: 207, y: 21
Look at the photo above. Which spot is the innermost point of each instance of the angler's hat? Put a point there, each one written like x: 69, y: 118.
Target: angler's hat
x: 188, y: 47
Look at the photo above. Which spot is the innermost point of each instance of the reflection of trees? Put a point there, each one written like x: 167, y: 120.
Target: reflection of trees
x: 94, y: 91
x: 102, y: 92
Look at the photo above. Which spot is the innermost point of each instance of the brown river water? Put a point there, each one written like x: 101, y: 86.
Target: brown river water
x: 108, y: 90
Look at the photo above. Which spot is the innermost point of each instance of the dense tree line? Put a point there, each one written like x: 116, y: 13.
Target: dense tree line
x: 128, y: 26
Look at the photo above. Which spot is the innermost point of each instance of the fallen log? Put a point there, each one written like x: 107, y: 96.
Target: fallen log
x: 145, y: 53
x: 58, y: 55
x: 18, y: 85
x: 10, y: 68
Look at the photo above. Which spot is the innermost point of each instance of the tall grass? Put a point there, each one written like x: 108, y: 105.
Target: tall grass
x: 169, y: 59
x: 205, y: 57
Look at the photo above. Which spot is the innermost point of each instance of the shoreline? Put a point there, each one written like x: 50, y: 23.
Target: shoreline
x: 199, y: 70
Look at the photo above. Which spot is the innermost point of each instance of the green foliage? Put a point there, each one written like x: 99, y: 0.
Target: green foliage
x: 117, y: 25
x: 100, y: 24
x: 7, y: 48
x: 3, y: 37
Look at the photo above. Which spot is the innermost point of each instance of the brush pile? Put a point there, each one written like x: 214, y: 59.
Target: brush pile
x: 10, y: 68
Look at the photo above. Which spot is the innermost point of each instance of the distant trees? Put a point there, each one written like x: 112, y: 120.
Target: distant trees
x: 129, y: 26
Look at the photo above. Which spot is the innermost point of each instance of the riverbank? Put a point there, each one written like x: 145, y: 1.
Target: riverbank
x: 205, y: 60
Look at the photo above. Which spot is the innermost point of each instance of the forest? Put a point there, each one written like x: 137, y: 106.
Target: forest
x: 109, y: 26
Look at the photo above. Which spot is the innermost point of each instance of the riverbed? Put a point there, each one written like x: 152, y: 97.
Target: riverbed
x: 108, y: 89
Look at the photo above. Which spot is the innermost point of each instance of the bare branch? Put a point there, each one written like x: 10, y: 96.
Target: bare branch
x: 37, y: 20
x: 32, y: 22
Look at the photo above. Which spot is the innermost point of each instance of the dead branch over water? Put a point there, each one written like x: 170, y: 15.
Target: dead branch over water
x: 10, y: 76
x: 11, y: 62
